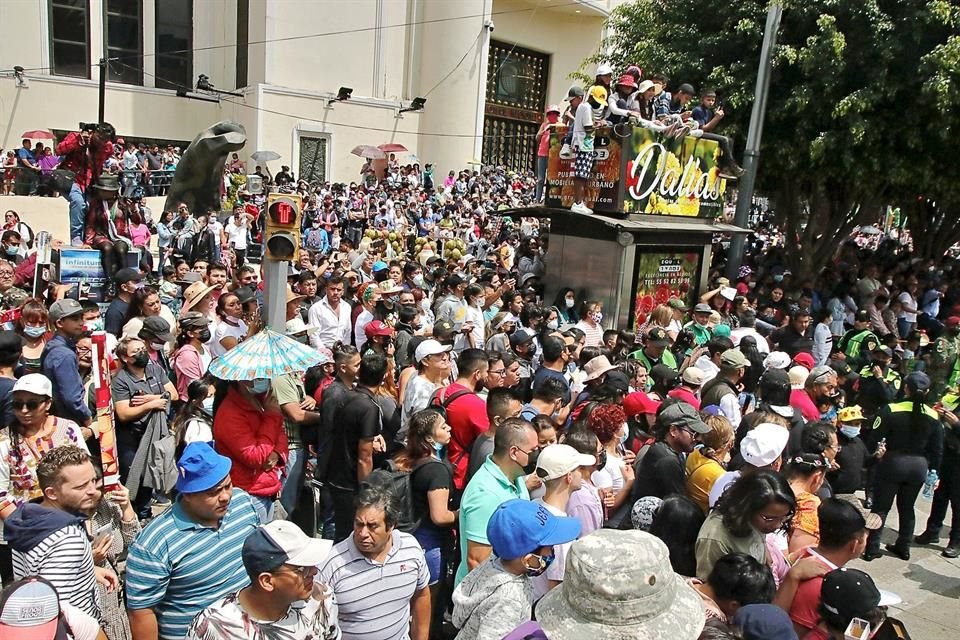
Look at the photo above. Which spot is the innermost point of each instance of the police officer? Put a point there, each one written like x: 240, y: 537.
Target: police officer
x: 879, y: 382
x: 913, y: 435
x: 857, y: 343
x: 943, y: 357
x: 949, y: 490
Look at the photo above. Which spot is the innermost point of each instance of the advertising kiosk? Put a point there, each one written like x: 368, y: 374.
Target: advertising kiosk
x: 657, y: 201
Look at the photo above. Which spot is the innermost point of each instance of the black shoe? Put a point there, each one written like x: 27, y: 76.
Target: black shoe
x: 902, y: 552
x: 871, y: 555
x: 952, y: 550
x: 927, y: 537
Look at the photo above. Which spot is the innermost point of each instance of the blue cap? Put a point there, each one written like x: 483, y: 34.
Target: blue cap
x: 519, y: 527
x: 764, y: 622
x: 380, y: 265
x: 201, y: 468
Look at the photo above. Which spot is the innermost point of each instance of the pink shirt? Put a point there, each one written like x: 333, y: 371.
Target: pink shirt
x: 140, y: 235
x: 801, y: 401
x: 585, y: 506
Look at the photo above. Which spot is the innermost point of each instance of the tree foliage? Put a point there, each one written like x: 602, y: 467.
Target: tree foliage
x: 863, y: 98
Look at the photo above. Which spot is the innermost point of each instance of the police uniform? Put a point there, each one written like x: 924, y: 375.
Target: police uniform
x: 948, y: 493
x: 943, y: 364
x: 856, y: 345
x: 914, y: 441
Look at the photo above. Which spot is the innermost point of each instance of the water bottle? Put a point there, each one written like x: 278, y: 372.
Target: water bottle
x: 931, y: 481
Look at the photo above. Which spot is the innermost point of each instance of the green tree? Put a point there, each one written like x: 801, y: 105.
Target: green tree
x: 863, y: 96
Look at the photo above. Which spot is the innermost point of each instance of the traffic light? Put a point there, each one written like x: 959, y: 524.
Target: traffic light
x: 282, y: 236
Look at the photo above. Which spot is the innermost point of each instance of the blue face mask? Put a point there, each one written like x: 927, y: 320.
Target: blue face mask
x: 34, y: 332
x: 260, y: 386
x: 208, y: 405
x: 437, y: 447
x: 12, y: 251
x: 850, y: 432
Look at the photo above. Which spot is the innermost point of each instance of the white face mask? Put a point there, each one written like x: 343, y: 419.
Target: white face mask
x: 553, y: 324
x: 569, y: 302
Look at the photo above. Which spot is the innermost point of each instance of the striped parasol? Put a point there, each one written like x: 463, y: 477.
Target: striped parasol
x: 268, y: 354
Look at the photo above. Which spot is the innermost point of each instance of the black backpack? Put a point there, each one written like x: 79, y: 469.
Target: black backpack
x: 398, y: 482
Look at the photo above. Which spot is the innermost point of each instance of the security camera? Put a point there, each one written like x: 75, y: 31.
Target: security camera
x: 489, y: 25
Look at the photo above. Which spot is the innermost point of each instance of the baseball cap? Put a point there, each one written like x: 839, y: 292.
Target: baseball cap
x: 677, y: 303
x: 721, y: 330
x: 64, y: 309
x: 845, y: 517
x: 849, y: 593
x: 733, y: 359
x: 620, y: 584
x: 663, y: 374
x: 798, y: 376
x: 377, y: 328
x: 429, y: 348
x: 453, y: 280
x: 194, y: 320
x: 200, y: 468
x: 599, y: 94
x: 776, y: 360
x: 35, y: 383
x: 30, y: 610
x: 917, y: 380
x: 657, y: 337
x: 282, y: 542
x: 604, y: 69
x: 884, y: 349
x: 764, y: 622
x: 851, y: 414
x: 156, y: 326
x: 126, y: 275
x: 861, y: 316
x: 553, y: 109
x: 702, y: 307
x: 521, y: 336
x: 764, y: 444
x: 804, y: 359
x: 558, y: 460
x: 645, y: 85
x: 443, y: 329
x: 519, y: 527
x: 638, y: 402
x: 692, y: 376
x: 681, y: 414
x: 575, y: 92
x: 380, y: 265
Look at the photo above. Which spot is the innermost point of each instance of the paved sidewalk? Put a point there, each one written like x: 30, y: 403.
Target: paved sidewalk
x: 929, y: 584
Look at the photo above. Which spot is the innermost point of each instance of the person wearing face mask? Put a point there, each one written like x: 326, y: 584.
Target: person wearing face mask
x: 33, y: 327
x: 497, y: 596
x: 879, y: 382
x: 501, y: 328
x: 566, y: 305
x: 590, y: 318
x: 142, y: 393
x: 248, y: 429
x: 191, y: 358
x: 471, y: 334
x: 12, y: 246
x: 194, y: 420
x: 853, y: 456
x: 500, y: 478
x: 524, y: 348
x: 128, y: 281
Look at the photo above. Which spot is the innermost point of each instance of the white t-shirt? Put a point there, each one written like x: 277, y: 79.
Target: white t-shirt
x: 908, y: 300
x: 237, y: 234
x: 224, y: 330
x: 582, y: 121
x: 215, y: 227
x: 359, y: 333
x: 197, y: 430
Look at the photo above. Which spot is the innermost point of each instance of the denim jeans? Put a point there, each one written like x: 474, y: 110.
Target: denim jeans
x: 293, y: 483
x: 78, y: 207
x: 264, y: 507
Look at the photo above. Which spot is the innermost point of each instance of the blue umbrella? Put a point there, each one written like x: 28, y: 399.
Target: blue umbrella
x: 268, y: 354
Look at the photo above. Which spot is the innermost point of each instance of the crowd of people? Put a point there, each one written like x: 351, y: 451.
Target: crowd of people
x: 469, y: 458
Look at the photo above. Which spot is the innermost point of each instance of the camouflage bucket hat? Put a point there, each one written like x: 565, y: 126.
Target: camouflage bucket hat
x: 619, y: 585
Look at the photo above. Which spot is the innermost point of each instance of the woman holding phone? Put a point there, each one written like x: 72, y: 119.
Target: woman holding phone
x: 113, y: 525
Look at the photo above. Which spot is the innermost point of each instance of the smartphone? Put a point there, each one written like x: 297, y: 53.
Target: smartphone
x: 858, y: 629
x: 102, y: 532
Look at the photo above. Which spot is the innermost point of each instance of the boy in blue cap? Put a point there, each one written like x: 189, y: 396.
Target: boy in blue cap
x: 497, y: 596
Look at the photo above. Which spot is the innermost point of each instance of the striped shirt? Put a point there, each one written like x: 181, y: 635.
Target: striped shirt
x: 65, y: 559
x: 373, y: 599
x: 178, y: 567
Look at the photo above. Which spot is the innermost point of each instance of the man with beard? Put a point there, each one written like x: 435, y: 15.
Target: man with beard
x: 466, y: 411
x: 660, y: 472
x: 216, y: 278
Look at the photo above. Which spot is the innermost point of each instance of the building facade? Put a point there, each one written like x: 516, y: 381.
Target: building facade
x: 486, y: 70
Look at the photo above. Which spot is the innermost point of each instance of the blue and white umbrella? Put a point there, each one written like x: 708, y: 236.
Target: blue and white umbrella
x: 268, y: 354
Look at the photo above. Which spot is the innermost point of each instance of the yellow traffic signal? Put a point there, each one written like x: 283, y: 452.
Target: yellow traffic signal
x: 282, y: 234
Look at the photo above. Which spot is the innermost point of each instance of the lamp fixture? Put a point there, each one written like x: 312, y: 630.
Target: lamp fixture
x: 343, y: 94
x: 416, y: 104
x: 18, y: 74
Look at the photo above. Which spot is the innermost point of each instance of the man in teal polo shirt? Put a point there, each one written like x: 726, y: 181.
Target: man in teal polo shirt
x: 189, y: 556
x: 655, y: 350
x: 501, y: 478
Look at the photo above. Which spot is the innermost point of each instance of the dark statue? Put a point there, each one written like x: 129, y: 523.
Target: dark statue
x: 199, y: 175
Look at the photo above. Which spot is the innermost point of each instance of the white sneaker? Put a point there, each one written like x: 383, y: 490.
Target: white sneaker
x: 566, y: 153
x: 579, y: 207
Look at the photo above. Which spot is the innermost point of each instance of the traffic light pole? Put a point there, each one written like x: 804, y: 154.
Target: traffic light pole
x: 275, y: 294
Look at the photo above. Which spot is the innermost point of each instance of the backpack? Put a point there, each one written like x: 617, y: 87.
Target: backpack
x: 313, y: 239
x: 398, y: 482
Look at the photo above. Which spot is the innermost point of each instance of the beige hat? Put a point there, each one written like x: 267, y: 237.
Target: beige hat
x: 194, y: 294
x: 693, y: 376
x: 596, y: 368
x: 798, y: 376
x: 291, y: 296
x: 558, y: 460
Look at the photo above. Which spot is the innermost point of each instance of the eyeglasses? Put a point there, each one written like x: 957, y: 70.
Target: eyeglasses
x: 498, y: 372
x: 774, y: 519
x: 29, y: 405
x: 529, y: 453
x: 303, y: 572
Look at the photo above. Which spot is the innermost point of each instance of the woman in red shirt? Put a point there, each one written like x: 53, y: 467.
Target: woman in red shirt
x: 248, y: 429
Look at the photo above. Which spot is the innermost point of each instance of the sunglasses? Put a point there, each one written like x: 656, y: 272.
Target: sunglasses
x: 29, y: 405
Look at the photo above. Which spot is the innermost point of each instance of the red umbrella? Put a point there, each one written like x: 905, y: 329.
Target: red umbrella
x: 38, y: 134
x: 392, y: 147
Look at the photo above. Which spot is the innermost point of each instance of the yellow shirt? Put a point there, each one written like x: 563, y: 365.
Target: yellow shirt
x: 702, y: 472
